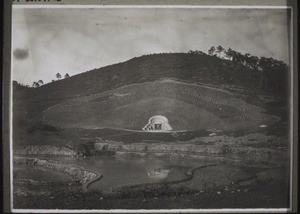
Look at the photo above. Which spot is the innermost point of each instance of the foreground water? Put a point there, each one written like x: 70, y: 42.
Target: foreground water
x: 118, y: 172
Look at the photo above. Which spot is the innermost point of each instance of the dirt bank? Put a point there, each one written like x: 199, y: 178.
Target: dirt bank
x: 255, y: 148
x: 43, y: 150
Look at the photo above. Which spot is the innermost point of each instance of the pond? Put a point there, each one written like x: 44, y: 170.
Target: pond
x: 118, y: 172
x: 126, y: 171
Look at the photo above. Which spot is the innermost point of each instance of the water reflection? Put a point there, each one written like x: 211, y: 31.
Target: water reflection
x: 124, y: 171
x: 158, y: 174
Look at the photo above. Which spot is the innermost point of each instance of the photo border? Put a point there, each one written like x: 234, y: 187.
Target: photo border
x: 7, y: 87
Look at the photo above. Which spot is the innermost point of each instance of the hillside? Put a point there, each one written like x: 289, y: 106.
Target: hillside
x: 103, y: 87
x: 188, y: 106
x: 224, y: 124
x: 193, y: 68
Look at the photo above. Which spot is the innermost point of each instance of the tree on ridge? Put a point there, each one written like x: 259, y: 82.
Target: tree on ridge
x: 58, y: 75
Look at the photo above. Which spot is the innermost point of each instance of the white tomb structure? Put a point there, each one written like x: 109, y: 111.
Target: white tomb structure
x: 158, y: 123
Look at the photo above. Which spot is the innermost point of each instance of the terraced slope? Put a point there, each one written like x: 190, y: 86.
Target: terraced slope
x: 187, y: 106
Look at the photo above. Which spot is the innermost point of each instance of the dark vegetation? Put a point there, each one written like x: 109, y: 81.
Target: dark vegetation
x: 273, y: 73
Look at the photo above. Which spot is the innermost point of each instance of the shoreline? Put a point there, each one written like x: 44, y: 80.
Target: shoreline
x: 78, y: 173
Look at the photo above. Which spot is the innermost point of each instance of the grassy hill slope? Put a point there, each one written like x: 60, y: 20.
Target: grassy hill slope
x: 182, y: 66
x: 29, y: 103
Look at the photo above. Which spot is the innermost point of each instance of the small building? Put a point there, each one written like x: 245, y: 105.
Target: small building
x: 158, y: 123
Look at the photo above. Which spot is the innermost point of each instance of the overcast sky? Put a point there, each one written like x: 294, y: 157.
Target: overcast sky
x: 50, y: 41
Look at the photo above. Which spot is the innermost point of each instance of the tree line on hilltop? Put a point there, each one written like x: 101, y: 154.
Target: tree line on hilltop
x: 264, y: 73
x: 39, y: 83
x: 267, y: 73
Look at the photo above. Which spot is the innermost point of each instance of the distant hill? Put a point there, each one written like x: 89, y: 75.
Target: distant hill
x: 188, y: 67
x: 44, y: 115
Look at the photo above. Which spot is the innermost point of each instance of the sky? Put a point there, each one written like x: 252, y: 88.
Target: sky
x: 70, y: 40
